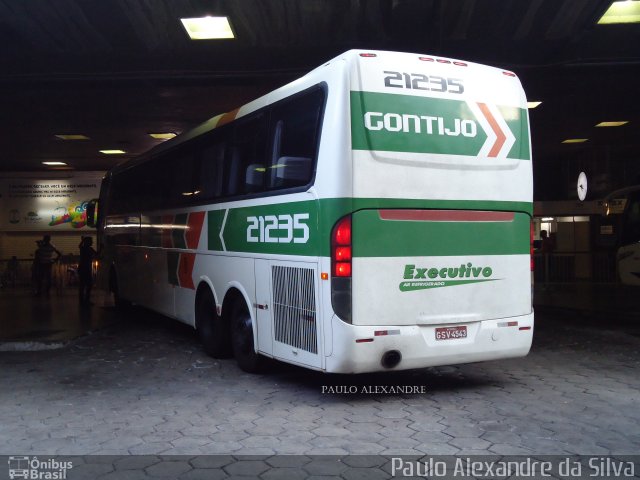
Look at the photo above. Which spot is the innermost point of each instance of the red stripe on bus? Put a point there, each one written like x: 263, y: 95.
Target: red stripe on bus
x: 446, y: 215
x: 501, y: 138
x: 228, y: 117
x: 194, y: 228
x: 185, y: 270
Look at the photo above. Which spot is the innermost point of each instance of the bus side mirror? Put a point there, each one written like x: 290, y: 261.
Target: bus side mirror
x: 91, y: 212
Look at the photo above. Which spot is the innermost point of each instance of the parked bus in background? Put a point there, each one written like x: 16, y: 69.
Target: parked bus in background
x: 626, y: 202
x: 372, y: 215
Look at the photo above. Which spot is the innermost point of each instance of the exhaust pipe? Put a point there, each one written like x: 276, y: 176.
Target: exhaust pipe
x: 391, y: 358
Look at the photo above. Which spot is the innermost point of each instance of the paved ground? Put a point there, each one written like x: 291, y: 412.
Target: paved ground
x: 144, y: 386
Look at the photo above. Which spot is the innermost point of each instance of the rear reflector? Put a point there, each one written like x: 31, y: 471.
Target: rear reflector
x: 524, y: 328
x: 364, y: 340
x: 446, y: 215
x: 383, y: 333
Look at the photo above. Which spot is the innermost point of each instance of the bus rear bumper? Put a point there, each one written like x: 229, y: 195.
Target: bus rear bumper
x: 360, y: 349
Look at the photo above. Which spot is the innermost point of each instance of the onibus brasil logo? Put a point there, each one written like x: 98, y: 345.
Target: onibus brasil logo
x: 417, y: 278
x: 32, y: 468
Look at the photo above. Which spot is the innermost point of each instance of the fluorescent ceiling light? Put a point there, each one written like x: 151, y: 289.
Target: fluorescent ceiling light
x: 207, y: 28
x: 54, y: 164
x: 531, y: 105
x: 575, y: 140
x: 162, y: 136
x: 612, y: 124
x: 112, y: 152
x: 72, y: 136
x: 627, y: 11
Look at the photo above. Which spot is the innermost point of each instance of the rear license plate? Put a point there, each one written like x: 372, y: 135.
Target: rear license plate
x: 451, y: 333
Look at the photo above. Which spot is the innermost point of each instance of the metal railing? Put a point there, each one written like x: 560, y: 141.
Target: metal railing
x: 569, y: 267
x: 64, y: 273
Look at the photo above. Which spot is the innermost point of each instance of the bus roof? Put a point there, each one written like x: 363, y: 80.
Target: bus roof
x: 350, y: 59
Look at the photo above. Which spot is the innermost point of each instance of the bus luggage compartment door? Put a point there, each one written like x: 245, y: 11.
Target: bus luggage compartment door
x: 287, y: 308
x: 427, y: 267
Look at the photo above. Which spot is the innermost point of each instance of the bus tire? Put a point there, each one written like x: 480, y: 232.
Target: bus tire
x: 212, y: 330
x: 242, y: 340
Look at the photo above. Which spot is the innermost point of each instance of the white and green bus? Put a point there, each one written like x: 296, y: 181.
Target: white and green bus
x: 372, y: 215
x: 626, y: 204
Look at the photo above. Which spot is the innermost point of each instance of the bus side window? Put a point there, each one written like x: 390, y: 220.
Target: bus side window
x: 295, y: 128
x: 248, y: 156
x: 211, y: 176
x: 152, y: 187
x: 183, y: 187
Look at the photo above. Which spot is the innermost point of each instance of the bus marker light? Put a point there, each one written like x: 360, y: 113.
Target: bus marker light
x: 442, y: 60
x: 368, y: 55
x: 524, y: 328
x: 460, y: 64
x: 364, y: 340
x: 427, y: 59
x: 324, y: 276
x: 381, y: 333
x: 509, y: 74
x: 508, y: 324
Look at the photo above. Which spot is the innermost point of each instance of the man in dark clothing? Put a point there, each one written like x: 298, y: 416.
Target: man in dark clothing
x: 46, y: 255
x: 85, y: 270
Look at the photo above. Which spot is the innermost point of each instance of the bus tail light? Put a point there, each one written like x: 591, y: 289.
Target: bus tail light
x: 341, y: 254
x: 341, y: 248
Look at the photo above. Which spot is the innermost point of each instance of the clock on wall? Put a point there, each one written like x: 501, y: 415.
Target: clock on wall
x: 582, y: 186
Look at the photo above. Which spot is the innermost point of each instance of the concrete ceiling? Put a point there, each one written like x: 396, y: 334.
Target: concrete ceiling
x: 116, y: 70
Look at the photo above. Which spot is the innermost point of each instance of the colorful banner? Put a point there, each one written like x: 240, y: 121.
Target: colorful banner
x: 28, y: 204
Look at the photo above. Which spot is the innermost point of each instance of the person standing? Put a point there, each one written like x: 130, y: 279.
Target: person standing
x: 44, y: 258
x: 85, y: 270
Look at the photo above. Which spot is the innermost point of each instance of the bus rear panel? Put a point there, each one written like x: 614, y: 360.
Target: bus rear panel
x: 440, y: 228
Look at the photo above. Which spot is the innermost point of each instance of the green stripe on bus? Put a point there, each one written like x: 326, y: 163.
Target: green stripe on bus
x: 374, y: 237
x: 322, y: 216
x: 413, y: 124
x: 214, y: 225
x: 279, y: 228
x: 518, y: 121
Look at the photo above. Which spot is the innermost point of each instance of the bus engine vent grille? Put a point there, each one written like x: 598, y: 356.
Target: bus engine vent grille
x: 294, y: 307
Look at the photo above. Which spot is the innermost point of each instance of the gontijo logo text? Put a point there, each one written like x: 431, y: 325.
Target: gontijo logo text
x: 421, y: 278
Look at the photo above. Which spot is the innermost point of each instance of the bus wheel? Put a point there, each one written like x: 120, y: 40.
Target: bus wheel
x: 212, y: 330
x: 242, y: 340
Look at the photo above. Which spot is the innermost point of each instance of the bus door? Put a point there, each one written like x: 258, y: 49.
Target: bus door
x: 287, y: 311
